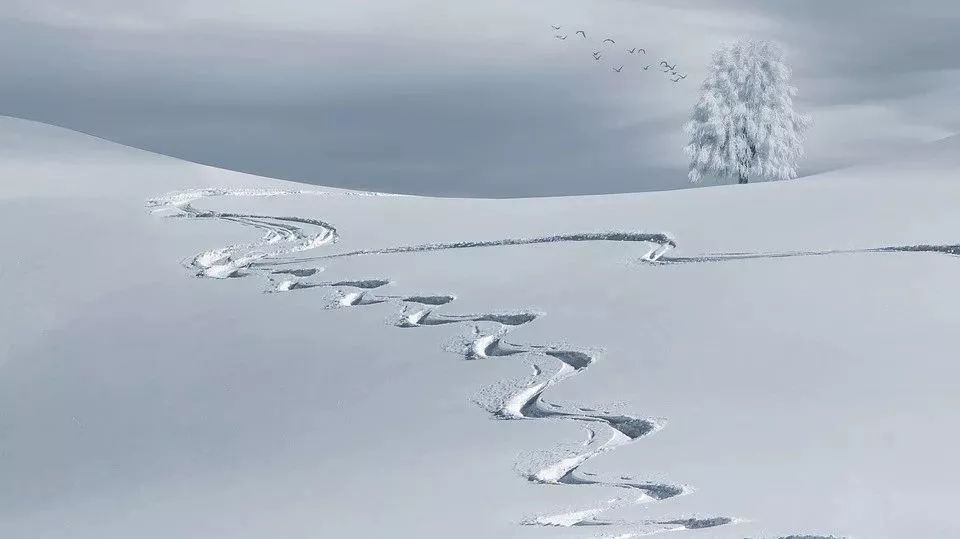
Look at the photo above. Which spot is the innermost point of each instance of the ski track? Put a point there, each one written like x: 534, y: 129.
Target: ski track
x: 949, y: 250
x: 662, y: 243
x: 521, y: 399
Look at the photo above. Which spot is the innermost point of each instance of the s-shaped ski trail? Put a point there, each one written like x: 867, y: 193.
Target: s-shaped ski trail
x: 276, y: 258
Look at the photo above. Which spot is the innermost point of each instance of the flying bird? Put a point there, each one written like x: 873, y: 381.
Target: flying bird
x: 610, y: 40
x: 582, y: 33
x: 668, y: 66
x: 677, y: 79
x: 644, y: 51
x: 618, y: 69
x: 633, y: 50
x: 564, y: 36
x: 647, y: 67
x: 555, y: 27
x: 681, y: 76
x: 597, y: 55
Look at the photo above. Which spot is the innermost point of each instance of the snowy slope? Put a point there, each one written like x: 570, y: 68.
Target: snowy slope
x: 351, y: 365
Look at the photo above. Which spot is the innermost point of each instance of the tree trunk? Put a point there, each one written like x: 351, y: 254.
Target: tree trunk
x: 743, y: 179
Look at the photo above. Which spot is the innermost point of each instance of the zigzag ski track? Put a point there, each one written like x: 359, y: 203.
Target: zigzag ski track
x: 275, y: 259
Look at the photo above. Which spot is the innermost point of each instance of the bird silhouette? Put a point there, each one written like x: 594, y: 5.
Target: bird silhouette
x: 668, y: 66
x: 618, y: 69
x: 555, y: 27
x: 676, y: 79
x: 644, y: 51
x: 598, y: 57
x: 582, y: 33
x: 632, y: 51
x: 681, y: 76
x: 610, y: 40
x: 646, y: 68
x: 564, y: 36
x: 596, y: 54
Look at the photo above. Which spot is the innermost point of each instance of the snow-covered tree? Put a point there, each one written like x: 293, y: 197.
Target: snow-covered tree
x: 744, y: 125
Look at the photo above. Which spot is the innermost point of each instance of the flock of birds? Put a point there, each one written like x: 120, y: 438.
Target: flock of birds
x: 664, y: 66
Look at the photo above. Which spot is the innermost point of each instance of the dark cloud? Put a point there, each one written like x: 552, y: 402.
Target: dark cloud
x: 479, y: 103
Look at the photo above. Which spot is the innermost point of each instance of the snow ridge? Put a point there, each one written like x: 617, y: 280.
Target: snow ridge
x: 175, y: 199
x: 284, y: 237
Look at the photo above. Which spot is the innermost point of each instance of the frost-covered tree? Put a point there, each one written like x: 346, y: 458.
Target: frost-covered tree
x: 744, y: 125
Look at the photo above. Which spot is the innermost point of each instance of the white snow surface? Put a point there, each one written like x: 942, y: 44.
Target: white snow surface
x: 794, y: 346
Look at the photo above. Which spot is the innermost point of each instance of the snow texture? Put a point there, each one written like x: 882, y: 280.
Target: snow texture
x: 138, y: 402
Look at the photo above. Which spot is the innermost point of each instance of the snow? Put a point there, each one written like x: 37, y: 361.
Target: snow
x: 803, y: 395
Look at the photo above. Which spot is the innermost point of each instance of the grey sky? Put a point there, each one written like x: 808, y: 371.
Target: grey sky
x: 450, y: 97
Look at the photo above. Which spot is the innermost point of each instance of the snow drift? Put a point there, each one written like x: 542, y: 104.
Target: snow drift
x: 775, y: 394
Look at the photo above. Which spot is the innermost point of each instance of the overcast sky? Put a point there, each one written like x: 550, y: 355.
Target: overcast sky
x: 465, y: 98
